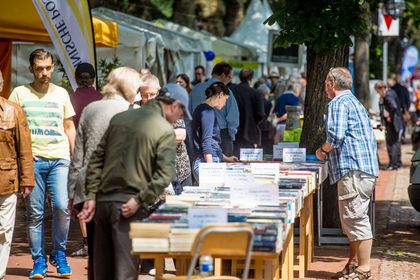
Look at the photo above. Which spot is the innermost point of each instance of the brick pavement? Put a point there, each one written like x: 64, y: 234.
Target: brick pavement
x: 395, y: 255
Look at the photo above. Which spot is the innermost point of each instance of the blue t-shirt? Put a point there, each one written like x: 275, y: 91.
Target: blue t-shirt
x: 287, y: 98
x: 206, y: 132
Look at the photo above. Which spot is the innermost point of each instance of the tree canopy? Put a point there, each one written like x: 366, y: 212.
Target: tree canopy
x: 322, y: 25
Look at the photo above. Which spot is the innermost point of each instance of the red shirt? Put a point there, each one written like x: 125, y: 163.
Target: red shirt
x: 81, y: 98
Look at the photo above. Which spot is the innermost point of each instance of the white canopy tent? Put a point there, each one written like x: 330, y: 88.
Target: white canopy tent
x: 166, y: 52
x: 252, y: 32
x: 222, y: 47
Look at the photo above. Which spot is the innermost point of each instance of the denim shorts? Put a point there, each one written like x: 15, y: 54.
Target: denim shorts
x: 354, y: 192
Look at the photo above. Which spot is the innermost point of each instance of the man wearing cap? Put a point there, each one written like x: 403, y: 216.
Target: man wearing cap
x: 85, y: 92
x: 132, y: 165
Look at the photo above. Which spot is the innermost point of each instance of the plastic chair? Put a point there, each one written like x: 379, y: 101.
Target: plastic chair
x: 224, y: 241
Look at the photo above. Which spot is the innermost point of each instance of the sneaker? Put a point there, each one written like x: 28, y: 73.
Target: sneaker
x: 40, y: 269
x: 60, y: 261
x: 82, y: 252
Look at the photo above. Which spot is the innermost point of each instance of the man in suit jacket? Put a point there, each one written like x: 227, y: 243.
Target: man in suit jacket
x: 392, y: 117
x: 251, y: 112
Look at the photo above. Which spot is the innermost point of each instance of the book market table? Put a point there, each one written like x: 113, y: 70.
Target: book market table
x: 280, y: 263
x: 265, y: 265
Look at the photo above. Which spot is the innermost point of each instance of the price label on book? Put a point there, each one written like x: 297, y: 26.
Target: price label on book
x: 278, y: 149
x: 212, y: 174
x: 251, y: 195
x: 251, y: 155
x: 199, y: 217
x: 294, y: 155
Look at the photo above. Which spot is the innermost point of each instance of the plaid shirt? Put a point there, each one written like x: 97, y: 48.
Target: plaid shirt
x: 350, y: 132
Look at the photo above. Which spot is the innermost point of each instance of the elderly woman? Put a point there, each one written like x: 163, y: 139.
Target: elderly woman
x: 119, y: 92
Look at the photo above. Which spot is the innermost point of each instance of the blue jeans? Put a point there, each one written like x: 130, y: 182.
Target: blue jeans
x: 196, y: 166
x: 51, y: 175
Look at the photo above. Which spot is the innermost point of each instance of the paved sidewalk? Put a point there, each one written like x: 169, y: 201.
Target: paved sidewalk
x: 396, y: 252
x: 396, y: 249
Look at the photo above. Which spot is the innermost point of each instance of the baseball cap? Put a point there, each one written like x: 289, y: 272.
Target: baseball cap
x: 179, y: 93
x: 85, y: 68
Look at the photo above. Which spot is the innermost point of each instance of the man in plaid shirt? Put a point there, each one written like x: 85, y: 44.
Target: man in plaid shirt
x: 352, y: 155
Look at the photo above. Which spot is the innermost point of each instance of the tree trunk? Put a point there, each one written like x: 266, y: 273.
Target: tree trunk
x: 234, y: 15
x: 313, y: 134
x: 318, y: 65
x: 184, y: 13
x: 361, y: 61
x: 361, y: 69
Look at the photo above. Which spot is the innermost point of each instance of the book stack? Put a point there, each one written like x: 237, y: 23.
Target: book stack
x: 182, y: 239
x: 150, y: 237
x: 169, y: 214
x: 266, y: 237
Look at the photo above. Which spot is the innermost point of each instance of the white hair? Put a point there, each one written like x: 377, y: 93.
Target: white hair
x: 123, y: 81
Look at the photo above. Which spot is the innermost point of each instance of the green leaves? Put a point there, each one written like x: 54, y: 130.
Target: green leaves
x: 322, y: 25
x: 164, y: 6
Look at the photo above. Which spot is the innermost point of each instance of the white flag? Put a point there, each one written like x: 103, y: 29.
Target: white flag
x: 69, y: 25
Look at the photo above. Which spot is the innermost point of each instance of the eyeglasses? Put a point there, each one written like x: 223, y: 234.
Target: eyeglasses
x: 149, y: 95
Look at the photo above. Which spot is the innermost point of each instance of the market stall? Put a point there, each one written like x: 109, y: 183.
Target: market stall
x: 19, y: 21
x: 240, y: 193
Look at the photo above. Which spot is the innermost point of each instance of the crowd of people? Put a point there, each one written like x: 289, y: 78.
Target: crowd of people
x: 105, y: 158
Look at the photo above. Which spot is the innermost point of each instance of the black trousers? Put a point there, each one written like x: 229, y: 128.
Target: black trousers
x: 393, y: 146
x: 227, y: 143
x: 112, y: 246
x: 90, y: 230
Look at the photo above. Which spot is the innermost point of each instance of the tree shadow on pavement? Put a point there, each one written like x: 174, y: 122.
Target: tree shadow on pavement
x: 398, y: 231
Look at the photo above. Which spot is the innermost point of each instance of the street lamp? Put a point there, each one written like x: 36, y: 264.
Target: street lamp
x: 389, y: 9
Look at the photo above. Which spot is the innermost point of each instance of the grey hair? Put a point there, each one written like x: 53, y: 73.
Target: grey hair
x: 379, y: 84
x: 149, y: 80
x: 295, y: 87
x: 123, y: 81
x: 263, y: 89
x: 341, y: 77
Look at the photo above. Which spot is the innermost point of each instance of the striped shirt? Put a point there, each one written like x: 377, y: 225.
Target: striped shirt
x: 46, y: 113
x: 350, y: 132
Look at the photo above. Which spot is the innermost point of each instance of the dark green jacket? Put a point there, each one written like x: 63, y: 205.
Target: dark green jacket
x: 135, y: 158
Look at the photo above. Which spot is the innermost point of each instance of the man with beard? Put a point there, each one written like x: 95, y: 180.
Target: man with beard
x: 49, y: 112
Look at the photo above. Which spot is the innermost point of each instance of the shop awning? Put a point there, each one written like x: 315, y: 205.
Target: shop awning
x: 19, y: 21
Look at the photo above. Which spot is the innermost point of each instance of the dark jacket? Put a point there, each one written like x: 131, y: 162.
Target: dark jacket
x: 251, y: 112
x: 392, y: 105
x: 403, y: 96
x: 16, y: 162
x: 135, y: 158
